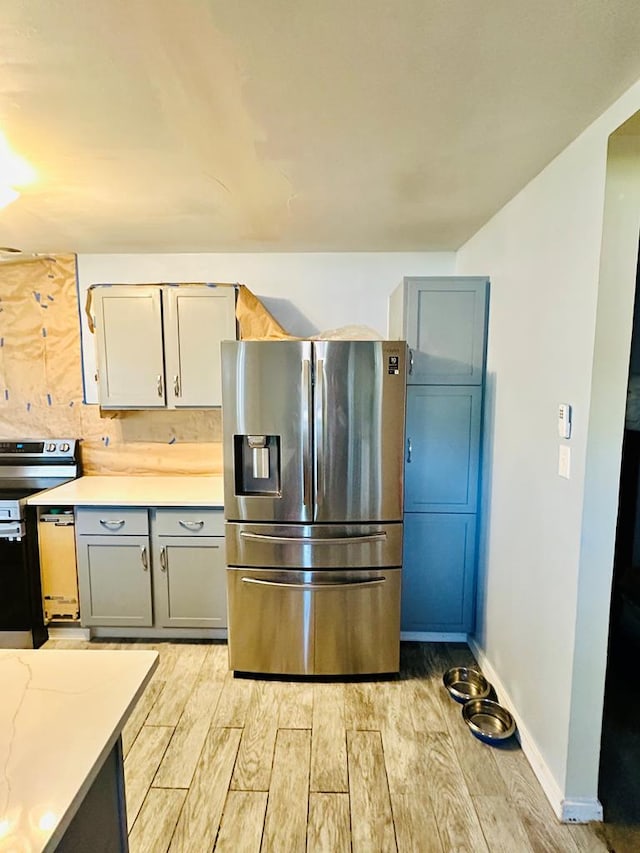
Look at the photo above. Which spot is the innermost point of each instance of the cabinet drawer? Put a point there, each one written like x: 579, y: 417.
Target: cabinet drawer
x: 189, y: 522
x: 112, y: 520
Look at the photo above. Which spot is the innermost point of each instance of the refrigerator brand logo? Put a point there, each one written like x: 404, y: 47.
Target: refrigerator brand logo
x: 394, y: 367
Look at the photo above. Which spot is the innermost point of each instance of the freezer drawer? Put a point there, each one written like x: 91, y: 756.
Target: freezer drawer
x: 317, y: 546
x: 338, y: 622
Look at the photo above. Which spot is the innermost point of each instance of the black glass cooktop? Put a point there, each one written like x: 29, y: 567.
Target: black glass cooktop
x: 14, y: 493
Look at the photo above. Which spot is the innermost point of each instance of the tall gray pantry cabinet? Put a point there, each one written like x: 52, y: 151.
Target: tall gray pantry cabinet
x: 444, y: 321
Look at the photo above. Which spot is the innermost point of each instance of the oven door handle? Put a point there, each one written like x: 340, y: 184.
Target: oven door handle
x: 316, y: 586
x: 12, y: 531
x: 314, y: 540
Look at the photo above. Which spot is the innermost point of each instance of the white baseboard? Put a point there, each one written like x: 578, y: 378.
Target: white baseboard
x: 433, y: 637
x: 160, y: 633
x: 68, y: 632
x: 580, y: 810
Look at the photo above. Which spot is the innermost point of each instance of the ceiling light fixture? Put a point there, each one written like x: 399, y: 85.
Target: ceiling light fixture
x: 14, y: 172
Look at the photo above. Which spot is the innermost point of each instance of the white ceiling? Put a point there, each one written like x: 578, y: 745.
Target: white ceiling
x: 294, y: 125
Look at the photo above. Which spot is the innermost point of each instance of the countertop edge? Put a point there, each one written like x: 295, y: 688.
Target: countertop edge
x: 74, y: 805
x: 134, y: 491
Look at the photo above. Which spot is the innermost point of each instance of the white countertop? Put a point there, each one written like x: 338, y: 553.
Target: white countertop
x: 60, y: 715
x: 149, y: 490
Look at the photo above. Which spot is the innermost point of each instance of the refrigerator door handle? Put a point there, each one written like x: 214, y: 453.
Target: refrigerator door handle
x: 319, y: 431
x: 318, y: 540
x: 316, y: 586
x: 306, y: 439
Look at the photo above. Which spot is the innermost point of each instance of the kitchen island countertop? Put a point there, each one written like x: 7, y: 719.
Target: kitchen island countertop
x: 149, y: 490
x: 60, y: 718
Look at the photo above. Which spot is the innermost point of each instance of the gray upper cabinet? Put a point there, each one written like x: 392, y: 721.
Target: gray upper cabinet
x: 444, y: 322
x: 443, y: 448
x: 196, y: 320
x: 159, y: 346
x: 129, y: 347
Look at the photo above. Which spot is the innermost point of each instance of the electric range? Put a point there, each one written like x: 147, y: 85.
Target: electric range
x: 26, y: 467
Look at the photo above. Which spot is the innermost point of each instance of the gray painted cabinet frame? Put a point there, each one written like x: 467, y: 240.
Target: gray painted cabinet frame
x: 444, y: 321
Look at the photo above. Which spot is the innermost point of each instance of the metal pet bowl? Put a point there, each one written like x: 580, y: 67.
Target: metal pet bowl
x: 488, y: 720
x: 464, y: 683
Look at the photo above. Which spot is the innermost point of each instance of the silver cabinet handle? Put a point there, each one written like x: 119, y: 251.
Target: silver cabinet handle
x: 307, y: 427
x: 409, y: 448
x: 410, y: 362
x: 163, y: 559
x: 143, y: 557
x: 191, y: 525
x: 176, y: 386
x: 315, y: 586
x: 160, y: 386
x: 329, y: 540
x: 112, y: 524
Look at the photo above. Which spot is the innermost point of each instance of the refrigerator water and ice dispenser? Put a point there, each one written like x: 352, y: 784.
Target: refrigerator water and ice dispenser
x: 257, y: 464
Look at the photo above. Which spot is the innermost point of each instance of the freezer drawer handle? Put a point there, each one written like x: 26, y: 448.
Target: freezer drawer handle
x: 191, y: 525
x: 334, y: 540
x: 112, y: 524
x: 303, y: 586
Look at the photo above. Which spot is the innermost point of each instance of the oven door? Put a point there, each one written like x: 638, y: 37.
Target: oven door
x: 15, y: 608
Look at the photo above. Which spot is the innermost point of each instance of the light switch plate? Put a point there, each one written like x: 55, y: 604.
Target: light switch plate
x: 564, y: 461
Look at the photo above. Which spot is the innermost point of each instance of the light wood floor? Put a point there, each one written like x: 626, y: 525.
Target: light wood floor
x: 213, y: 762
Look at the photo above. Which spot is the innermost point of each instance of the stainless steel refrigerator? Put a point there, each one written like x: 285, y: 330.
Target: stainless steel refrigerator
x: 313, y: 478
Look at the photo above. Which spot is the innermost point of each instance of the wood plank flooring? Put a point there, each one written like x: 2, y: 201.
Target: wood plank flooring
x: 259, y: 766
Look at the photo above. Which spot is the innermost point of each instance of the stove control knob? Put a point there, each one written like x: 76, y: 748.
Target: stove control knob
x: 64, y: 447
x: 50, y: 447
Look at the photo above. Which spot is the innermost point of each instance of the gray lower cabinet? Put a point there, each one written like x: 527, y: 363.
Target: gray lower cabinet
x: 191, y: 585
x: 114, y: 567
x: 114, y: 581
x: 438, y: 584
x: 189, y: 568
x: 161, y: 568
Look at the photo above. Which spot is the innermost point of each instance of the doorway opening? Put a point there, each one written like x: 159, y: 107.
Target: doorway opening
x: 619, y: 779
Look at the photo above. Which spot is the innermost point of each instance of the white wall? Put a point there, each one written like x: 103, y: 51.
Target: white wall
x: 614, y: 323
x: 542, y: 252
x: 306, y: 293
